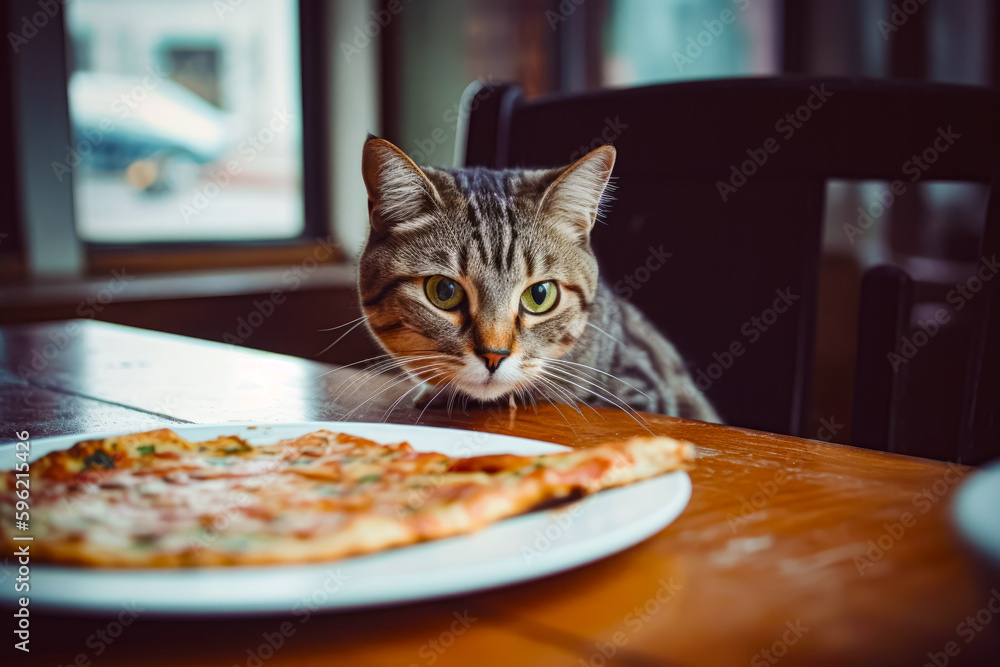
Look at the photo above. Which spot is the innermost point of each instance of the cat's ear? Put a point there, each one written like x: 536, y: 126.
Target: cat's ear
x: 398, y: 190
x: 574, y: 197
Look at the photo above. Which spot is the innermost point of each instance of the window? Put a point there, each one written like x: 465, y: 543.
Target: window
x: 186, y: 119
x: 656, y: 41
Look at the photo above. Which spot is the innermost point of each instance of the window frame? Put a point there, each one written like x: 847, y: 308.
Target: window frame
x: 157, y: 256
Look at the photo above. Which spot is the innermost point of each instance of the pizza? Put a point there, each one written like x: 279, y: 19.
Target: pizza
x: 155, y: 499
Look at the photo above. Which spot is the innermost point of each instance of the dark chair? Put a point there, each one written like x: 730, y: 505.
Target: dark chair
x: 719, y: 175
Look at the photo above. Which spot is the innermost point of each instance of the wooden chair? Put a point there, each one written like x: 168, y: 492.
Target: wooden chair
x: 729, y: 177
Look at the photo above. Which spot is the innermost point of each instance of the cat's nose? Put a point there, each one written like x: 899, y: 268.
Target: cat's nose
x: 492, y: 358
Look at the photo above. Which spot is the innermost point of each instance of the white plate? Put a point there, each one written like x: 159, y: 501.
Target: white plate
x: 515, y: 550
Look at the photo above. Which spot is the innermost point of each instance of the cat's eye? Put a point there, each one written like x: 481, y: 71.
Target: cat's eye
x: 540, y: 297
x: 443, y: 292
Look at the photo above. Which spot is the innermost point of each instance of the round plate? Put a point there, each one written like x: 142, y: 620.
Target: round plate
x: 974, y: 511
x: 518, y: 549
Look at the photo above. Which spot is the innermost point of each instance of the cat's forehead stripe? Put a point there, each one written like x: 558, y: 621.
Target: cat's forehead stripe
x: 470, y: 212
x: 498, y: 252
x: 477, y: 236
x: 510, y: 247
x: 492, y: 208
x: 463, y: 258
x: 529, y: 261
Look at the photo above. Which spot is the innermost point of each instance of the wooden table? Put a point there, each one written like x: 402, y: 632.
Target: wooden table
x: 791, y: 550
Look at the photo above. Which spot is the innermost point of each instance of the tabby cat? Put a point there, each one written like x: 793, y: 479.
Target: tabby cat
x: 484, y: 281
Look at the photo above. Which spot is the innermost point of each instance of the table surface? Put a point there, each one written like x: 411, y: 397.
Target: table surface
x: 792, y: 550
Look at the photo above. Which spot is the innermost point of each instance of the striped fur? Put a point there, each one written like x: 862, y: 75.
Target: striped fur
x: 497, y: 233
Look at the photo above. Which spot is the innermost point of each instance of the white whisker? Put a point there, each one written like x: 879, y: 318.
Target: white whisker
x: 406, y: 393
x: 342, y: 336
x: 597, y: 370
x: 548, y: 373
x: 340, y: 326
x: 604, y: 389
x: 383, y: 367
x: 563, y: 394
x: 371, y: 371
x: 594, y: 326
x: 355, y: 363
x: 451, y: 401
x: 377, y: 393
x: 362, y: 377
x: 546, y: 397
x: 433, y: 398
x: 377, y: 375
x: 613, y: 400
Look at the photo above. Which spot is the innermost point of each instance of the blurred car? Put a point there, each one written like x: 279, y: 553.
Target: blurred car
x: 156, y: 131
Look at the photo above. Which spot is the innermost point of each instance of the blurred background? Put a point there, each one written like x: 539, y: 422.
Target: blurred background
x: 209, y: 150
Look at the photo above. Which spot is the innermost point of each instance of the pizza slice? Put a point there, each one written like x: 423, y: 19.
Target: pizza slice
x: 157, y: 500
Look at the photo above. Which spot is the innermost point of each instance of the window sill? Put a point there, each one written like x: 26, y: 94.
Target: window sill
x: 173, y: 258
x: 123, y: 283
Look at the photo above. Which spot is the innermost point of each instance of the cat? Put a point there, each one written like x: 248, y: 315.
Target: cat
x: 484, y: 281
